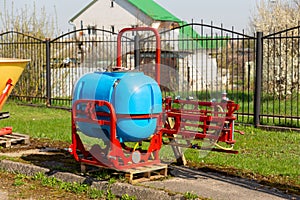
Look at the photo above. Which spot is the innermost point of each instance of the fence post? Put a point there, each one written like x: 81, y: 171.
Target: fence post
x: 48, y: 73
x: 137, y: 53
x: 258, y: 77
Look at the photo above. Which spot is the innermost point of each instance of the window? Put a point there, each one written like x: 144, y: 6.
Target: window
x: 112, y: 3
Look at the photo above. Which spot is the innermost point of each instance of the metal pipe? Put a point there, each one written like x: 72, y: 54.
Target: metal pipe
x: 158, y: 48
x: 258, y: 79
x: 48, y: 73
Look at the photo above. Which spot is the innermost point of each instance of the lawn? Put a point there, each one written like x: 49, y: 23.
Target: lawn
x: 272, y: 157
x: 38, y: 122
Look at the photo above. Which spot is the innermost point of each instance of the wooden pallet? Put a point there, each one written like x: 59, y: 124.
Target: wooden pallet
x: 14, y: 138
x: 146, y: 173
x: 134, y: 175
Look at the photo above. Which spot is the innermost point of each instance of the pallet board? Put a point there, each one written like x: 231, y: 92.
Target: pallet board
x: 14, y: 138
x: 138, y: 174
x: 146, y: 173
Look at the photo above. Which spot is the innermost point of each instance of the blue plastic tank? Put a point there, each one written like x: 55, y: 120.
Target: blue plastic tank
x: 130, y: 93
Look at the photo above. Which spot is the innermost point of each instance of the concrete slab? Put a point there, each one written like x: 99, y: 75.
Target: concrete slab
x: 216, y: 186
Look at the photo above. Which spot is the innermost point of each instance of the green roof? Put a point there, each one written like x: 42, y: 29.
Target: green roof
x: 192, y: 39
x: 154, y: 10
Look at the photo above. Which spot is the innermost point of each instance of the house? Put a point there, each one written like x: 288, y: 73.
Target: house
x: 117, y: 14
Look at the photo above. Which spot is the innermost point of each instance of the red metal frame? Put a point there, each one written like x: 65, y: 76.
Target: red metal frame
x: 158, y: 48
x: 118, y: 156
x: 190, y: 121
x: 5, y: 92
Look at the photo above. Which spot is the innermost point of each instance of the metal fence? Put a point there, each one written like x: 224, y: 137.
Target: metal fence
x: 198, y: 61
x: 280, y: 78
x: 32, y: 85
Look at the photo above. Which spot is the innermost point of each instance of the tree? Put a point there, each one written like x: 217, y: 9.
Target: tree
x: 281, y: 48
x: 274, y: 15
x: 37, y: 24
x: 22, y: 36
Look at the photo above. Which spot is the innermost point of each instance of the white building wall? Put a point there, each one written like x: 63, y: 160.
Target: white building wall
x: 198, y: 71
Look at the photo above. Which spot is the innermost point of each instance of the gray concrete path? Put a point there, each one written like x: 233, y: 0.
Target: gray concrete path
x: 217, y: 187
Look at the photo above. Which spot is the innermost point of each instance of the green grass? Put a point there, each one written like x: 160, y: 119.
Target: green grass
x: 52, y: 182
x: 272, y: 155
x: 277, y: 112
x: 39, y: 122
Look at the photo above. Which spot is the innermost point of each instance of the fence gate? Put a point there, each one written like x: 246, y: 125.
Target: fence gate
x: 281, y: 78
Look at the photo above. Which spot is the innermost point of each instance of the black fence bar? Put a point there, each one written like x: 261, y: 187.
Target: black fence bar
x: 137, y: 53
x: 258, y: 74
x: 48, y: 72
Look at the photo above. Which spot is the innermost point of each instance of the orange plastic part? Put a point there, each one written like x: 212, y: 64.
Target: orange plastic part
x: 6, y: 131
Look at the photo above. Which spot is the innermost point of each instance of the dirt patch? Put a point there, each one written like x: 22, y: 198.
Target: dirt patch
x: 36, y: 143
x: 44, y: 153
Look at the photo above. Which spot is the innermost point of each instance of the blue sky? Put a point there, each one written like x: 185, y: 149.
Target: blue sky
x: 230, y: 13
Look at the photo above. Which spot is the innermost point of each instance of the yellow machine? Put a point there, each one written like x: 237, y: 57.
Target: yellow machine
x: 10, y: 71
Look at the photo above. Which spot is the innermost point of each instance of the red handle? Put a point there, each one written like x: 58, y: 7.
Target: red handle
x: 6, y: 90
x: 158, y: 50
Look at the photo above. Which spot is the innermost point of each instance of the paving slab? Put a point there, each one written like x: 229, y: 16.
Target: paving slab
x: 216, y: 186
